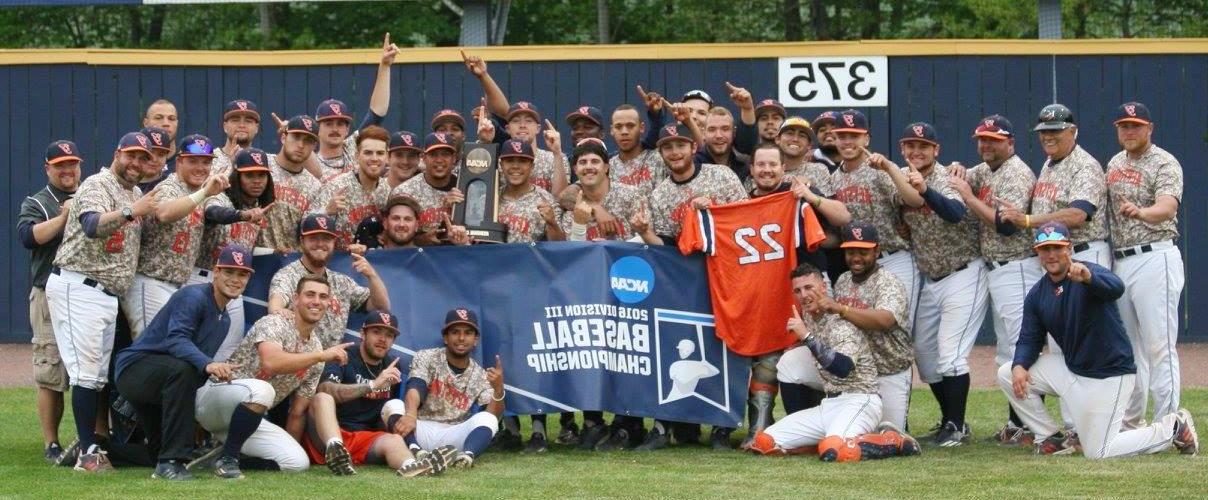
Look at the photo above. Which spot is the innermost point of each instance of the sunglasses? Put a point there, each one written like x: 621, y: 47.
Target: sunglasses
x: 1054, y: 237
x: 198, y: 148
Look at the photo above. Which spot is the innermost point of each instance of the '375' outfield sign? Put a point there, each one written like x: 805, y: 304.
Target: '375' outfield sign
x: 833, y: 82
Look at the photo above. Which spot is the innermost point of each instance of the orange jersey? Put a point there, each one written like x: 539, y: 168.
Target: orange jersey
x: 751, y: 247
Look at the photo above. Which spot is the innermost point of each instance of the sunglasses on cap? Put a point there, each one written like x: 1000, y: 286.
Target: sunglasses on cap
x: 198, y: 148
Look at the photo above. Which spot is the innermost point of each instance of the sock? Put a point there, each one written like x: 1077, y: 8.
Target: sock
x: 957, y: 396
x: 1013, y: 417
x: 937, y: 389
x: 512, y: 424
x: 539, y: 424
x: 477, y: 441
x: 412, y: 444
x: 84, y: 408
x: 244, y: 422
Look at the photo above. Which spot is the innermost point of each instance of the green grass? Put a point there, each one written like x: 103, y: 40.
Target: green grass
x: 977, y: 471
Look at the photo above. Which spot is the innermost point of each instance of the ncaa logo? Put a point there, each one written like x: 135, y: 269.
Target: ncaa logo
x: 631, y: 279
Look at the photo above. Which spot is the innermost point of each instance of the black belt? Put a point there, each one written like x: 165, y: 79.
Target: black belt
x: 995, y: 264
x: 954, y: 271
x: 1081, y: 247
x: 1129, y: 252
x: 88, y: 282
x: 203, y: 273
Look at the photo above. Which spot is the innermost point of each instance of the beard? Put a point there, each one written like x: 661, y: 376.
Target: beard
x: 829, y: 149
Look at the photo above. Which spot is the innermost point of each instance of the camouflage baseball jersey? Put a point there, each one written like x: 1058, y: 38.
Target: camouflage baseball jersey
x: 818, y: 175
x: 671, y: 200
x: 893, y: 350
x: 277, y: 329
x: 1141, y: 181
x: 346, y: 162
x: 872, y: 197
x: 110, y: 260
x: 222, y: 163
x: 845, y: 339
x: 450, y: 395
x: 644, y: 171
x: 218, y: 236
x: 1011, y: 182
x: 940, y: 247
x: 1076, y: 177
x: 359, y: 202
x: 543, y: 169
x: 170, y: 249
x: 621, y: 201
x: 522, y: 216
x: 431, y: 200
x: 346, y: 295
x: 293, y: 194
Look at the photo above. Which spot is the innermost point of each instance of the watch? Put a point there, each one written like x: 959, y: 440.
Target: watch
x: 128, y: 213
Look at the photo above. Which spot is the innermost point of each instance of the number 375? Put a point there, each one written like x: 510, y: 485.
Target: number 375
x: 833, y: 81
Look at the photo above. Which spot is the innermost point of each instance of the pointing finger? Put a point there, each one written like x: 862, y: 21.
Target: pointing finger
x: 641, y: 92
x: 393, y: 363
x: 731, y: 87
x: 796, y: 312
x: 498, y: 362
x: 269, y: 206
x: 464, y: 57
x: 386, y: 43
x: 346, y: 345
x: 548, y: 125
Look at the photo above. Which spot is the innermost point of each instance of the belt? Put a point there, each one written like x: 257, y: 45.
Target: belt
x: 87, y: 282
x: 204, y: 273
x: 1140, y: 249
x: 995, y: 264
x: 834, y: 394
x: 887, y: 254
x: 954, y: 271
x: 1082, y: 247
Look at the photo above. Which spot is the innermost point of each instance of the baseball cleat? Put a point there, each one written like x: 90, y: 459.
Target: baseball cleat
x: 444, y: 455
x: 719, y: 440
x: 53, y: 453
x: 1071, y: 440
x: 172, y: 471
x: 205, y: 461
x: 536, y: 444
x: 430, y: 466
x: 463, y: 460
x: 570, y: 434
x: 338, y: 460
x: 592, y: 436
x: 96, y: 463
x: 951, y: 436
x: 227, y: 468
x: 70, y: 455
x: 617, y: 440
x: 1012, y: 435
x: 1057, y: 444
x: 654, y: 441
x: 506, y: 441
x: 933, y: 434
x: 1186, y: 439
x: 909, y: 446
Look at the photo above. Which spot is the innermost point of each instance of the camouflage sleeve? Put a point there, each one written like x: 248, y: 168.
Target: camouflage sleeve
x: 1088, y: 184
x: 92, y: 197
x: 268, y: 329
x: 1168, y: 180
x: 281, y: 285
x: 891, y: 296
x: 1016, y: 189
x: 319, y: 205
x: 482, y: 388
x: 421, y: 366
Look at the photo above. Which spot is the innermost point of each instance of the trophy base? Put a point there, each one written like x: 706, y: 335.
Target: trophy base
x: 490, y: 232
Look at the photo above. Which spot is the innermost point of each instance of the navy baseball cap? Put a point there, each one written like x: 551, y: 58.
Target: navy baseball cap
x: 919, y: 131
x: 858, y: 234
x: 235, y: 256
x: 448, y: 116
x: 1052, y: 233
x: 303, y: 124
x: 62, y: 150
x: 994, y: 127
x: 698, y: 94
x: 317, y: 224
x: 241, y: 107
x: 460, y: 316
x: 831, y: 117
x: 196, y: 145
x: 405, y: 140
x: 851, y: 120
x: 770, y: 106
x: 332, y: 109
x: 438, y: 140
x: 675, y: 132
x: 590, y: 113
x: 134, y: 141
x: 160, y: 139
x: 1054, y: 117
x: 380, y: 318
x: 513, y: 148
x: 1134, y: 112
x: 251, y: 160
x: 523, y: 107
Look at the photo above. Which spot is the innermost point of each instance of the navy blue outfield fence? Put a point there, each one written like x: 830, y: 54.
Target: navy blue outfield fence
x: 94, y: 96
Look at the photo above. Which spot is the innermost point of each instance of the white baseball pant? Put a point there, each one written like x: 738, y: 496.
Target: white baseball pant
x: 1099, y: 252
x: 895, y: 397
x: 1153, y: 283
x: 901, y: 264
x: 1096, y: 405
x: 234, y: 309
x: 84, y: 319
x: 215, y: 403
x: 1009, y: 286
x: 948, y: 318
x: 143, y: 301
x: 798, y: 366
x: 846, y: 415
x: 430, y: 435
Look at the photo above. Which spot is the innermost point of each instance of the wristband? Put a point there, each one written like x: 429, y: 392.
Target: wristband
x: 1027, y: 221
x: 198, y: 196
x: 578, y: 232
x: 498, y: 399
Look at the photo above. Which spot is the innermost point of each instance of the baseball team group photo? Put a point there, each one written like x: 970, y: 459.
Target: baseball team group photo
x: 522, y: 260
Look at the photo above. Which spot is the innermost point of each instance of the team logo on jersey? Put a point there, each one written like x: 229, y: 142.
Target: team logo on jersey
x: 66, y: 148
x: 688, y: 367
x: 849, y: 120
x: 918, y: 130
x: 631, y: 279
x: 242, y: 105
x: 256, y: 157
x: 1130, y: 109
x: 463, y: 314
x: 1059, y: 290
x: 335, y: 108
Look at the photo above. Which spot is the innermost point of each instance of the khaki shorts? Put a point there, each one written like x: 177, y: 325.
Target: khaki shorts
x: 49, y: 371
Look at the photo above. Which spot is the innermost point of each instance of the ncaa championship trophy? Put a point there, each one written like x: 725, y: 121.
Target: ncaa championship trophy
x: 479, y: 180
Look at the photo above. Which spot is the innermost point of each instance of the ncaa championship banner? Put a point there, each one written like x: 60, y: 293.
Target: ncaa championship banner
x: 618, y: 327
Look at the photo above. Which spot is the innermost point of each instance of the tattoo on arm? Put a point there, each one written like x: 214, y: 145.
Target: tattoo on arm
x: 344, y: 392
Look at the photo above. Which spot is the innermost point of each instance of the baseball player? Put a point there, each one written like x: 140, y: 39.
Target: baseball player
x: 835, y: 357
x: 585, y: 122
x: 1146, y: 187
x: 603, y: 207
x: 160, y: 373
x: 875, y: 190
x: 826, y: 151
x: 794, y: 140
x: 280, y: 357
x: 160, y: 115
x: 527, y: 209
x: 400, y: 227
x: 94, y: 266
x: 40, y: 228
x: 318, y: 242
x: 1070, y: 189
x: 240, y: 123
x: 634, y: 164
x: 171, y: 240
x: 337, y: 142
x: 952, y: 301
x: 769, y: 117
x: 719, y: 143
x: 352, y: 196
x: 161, y: 156
x: 345, y: 413
x: 444, y: 385
x: 1094, y: 373
x: 406, y: 151
x: 436, y: 190
x: 293, y: 187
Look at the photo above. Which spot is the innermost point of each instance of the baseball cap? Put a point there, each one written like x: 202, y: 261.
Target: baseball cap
x: 251, y: 160
x: 241, y: 107
x: 515, y: 148
x: 523, y: 107
x: 438, y: 140
x: 1052, y: 233
x: 591, y: 113
x: 698, y: 94
x: 332, y: 109
x: 159, y: 138
x: 196, y: 145
x: 919, y: 131
x: 1054, y: 117
x: 675, y: 132
x: 770, y: 106
x: 235, y: 256
x: 448, y: 115
x: 460, y: 315
x: 134, y: 141
x: 404, y: 140
x: 859, y: 235
x: 1133, y: 112
x: 380, y: 318
x: 850, y: 120
x: 994, y: 127
x: 302, y: 124
x: 62, y: 150
x: 796, y: 122
x: 826, y: 117
x: 315, y: 224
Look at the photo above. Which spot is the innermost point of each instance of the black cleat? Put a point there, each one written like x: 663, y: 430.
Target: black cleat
x: 570, y: 434
x: 617, y: 440
x: 338, y: 460
x: 654, y: 441
x: 592, y: 436
x: 53, y: 453
x: 536, y: 444
x: 172, y: 471
x: 227, y: 468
